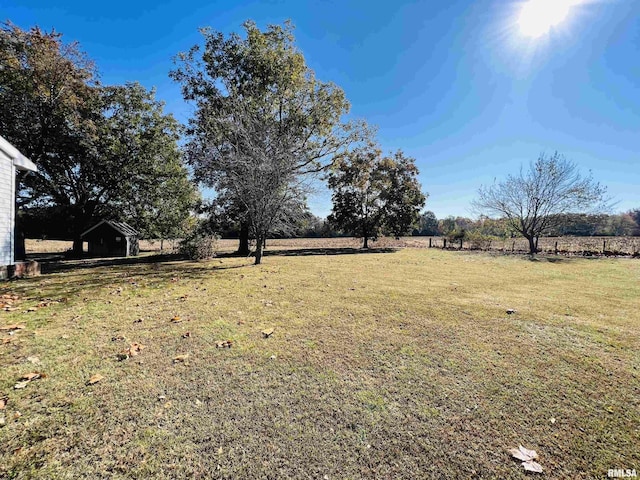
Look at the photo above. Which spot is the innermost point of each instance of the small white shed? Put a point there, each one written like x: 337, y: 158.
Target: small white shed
x: 11, y: 160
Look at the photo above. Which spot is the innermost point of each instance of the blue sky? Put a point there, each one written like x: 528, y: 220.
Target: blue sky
x: 455, y: 84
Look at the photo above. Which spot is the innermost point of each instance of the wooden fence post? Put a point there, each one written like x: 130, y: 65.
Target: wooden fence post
x: 513, y: 247
x: 604, y: 246
x: 429, y: 242
x: 445, y: 243
x: 556, y: 247
x: 460, y: 244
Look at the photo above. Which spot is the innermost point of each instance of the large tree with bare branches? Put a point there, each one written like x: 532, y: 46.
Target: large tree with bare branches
x: 262, y: 124
x: 532, y: 201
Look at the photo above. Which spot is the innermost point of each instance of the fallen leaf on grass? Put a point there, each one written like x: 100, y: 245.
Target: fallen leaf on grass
x: 267, y: 333
x: 224, y: 344
x: 176, y: 319
x: 186, y: 334
x: 95, y: 379
x: 10, y: 309
x: 532, y: 466
x: 3, y: 402
x: 181, y: 358
x: 6, y: 340
x: 34, y: 360
x: 45, y: 302
x: 13, y: 326
x: 135, y: 349
x: 523, y: 454
x: 511, y: 311
x: 9, y: 296
x: 32, y: 309
x: 527, y: 457
x: 28, y: 377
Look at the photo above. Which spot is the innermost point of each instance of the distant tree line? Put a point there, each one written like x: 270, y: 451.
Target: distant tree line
x: 568, y: 224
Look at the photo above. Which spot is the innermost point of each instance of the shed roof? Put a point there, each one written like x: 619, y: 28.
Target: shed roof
x: 19, y: 160
x: 122, y: 227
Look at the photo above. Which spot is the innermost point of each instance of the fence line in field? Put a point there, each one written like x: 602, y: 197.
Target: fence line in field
x: 555, y: 245
x: 559, y: 245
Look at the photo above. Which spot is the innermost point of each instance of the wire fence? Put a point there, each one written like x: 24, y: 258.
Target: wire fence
x: 618, y: 246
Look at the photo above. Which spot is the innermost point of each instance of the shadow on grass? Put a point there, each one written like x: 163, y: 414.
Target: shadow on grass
x: 68, y: 278
x: 302, y: 252
x: 63, y: 265
x: 57, y: 265
x: 80, y: 279
x: 549, y: 258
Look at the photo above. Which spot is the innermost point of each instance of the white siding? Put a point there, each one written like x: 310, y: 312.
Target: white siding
x: 7, y: 206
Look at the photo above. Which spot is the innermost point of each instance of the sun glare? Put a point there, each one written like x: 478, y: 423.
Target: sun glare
x: 538, y: 17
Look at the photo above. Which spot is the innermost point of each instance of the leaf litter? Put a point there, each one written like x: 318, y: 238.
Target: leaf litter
x: 527, y: 458
x: 95, y: 379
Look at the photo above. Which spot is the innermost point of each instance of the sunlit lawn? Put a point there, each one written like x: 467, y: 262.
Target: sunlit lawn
x: 401, y: 364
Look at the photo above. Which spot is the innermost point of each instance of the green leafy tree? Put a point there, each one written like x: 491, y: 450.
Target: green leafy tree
x: 365, y: 200
x: 446, y: 226
x: 101, y: 151
x: 262, y: 121
x: 403, y: 198
x: 532, y: 201
x: 427, y: 224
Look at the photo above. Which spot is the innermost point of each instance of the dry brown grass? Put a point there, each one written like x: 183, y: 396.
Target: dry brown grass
x: 382, y: 365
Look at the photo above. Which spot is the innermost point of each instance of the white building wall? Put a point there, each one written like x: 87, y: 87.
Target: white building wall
x: 7, y: 207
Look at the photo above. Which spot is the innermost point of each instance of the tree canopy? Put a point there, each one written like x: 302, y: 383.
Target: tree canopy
x: 262, y: 121
x: 100, y: 150
x: 374, y: 193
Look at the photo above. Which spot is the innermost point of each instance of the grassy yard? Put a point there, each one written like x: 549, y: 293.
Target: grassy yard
x: 400, y: 364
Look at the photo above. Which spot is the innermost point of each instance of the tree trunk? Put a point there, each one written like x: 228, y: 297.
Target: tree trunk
x: 532, y: 244
x: 366, y: 242
x: 161, y: 244
x: 77, y: 246
x: 243, y: 236
x: 259, y: 245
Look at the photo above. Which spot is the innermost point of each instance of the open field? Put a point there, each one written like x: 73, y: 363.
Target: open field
x: 565, y: 245
x: 389, y: 364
